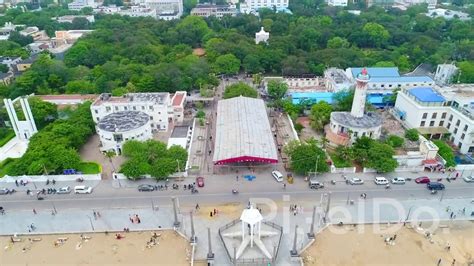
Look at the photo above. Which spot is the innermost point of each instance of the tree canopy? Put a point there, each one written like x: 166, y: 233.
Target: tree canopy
x: 152, y: 158
x: 239, y: 89
x: 320, y: 115
x: 374, y: 154
x: 306, y: 156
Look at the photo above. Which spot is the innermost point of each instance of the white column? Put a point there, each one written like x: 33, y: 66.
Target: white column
x: 30, y: 114
x: 251, y: 235
x: 358, y: 104
x: 12, y: 116
x: 243, y: 231
x: 259, y: 229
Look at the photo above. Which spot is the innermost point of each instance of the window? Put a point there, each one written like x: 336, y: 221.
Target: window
x: 96, y: 111
x: 125, y: 108
x: 143, y: 107
x: 134, y: 108
x: 441, y: 123
x: 422, y: 124
x: 116, y: 108
x: 449, y: 125
x: 459, y: 145
x: 465, y: 128
x: 355, y: 134
x: 463, y: 135
x: 450, y: 118
x: 432, y: 123
x: 443, y: 115
x: 151, y: 117
x: 107, y: 109
x: 455, y: 130
x: 433, y: 116
x: 425, y: 115
x: 458, y: 122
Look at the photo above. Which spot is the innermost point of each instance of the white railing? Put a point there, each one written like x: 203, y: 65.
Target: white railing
x: 43, y: 178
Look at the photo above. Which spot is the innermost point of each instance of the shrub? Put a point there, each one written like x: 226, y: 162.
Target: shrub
x: 412, y: 134
x: 395, y: 141
x: 446, y: 152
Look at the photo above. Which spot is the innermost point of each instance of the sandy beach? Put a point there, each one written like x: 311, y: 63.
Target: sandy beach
x: 96, y: 249
x: 359, y: 245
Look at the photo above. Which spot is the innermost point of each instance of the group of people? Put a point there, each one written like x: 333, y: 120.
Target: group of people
x: 214, y: 213
x: 22, y: 183
x: 96, y: 215
x: 295, y: 209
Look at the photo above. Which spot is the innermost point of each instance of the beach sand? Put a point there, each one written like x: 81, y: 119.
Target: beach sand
x: 100, y: 249
x: 411, y: 247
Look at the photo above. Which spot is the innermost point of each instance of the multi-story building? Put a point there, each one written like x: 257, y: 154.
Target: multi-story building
x: 161, y: 108
x: 219, y: 11
x: 337, y: 2
x: 80, y: 4
x: 35, y: 33
x: 408, y: 3
x: 70, y: 18
x: 446, y: 111
x: 250, y: 6
x: 165, y: 9
x: 139, y: 11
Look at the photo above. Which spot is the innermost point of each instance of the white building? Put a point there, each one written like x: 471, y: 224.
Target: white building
x: 80, y: 4
x: 181, y: 136
x: 447, y: 14
x: 437, y: 113
x: 139, y: 11
x: 250, y: 6
x: 337, y: 2
x: 346, y: 127
x: 408, y: 3
x: 111, y: 9
x: 218, y: 11
x: 302, y: 83
x: 35, y: 33
x: 115, y: 129
x: 262, y: 36
x: 388, y: 79
x: 159, y: 106
x: 336, y: 80
x: 445, y: 73
x: 70, y: 18
x: 165, y: 9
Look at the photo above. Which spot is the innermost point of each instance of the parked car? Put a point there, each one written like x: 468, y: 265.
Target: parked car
x: 314, y: 184
x: 146, y: 187
x: 469, y: 179
x: 422, y: 180
x: 64, y: 190
x: 200, y: 181
x: 82, y: 190
x: 4, y: 191
x: 398, y: 180
x: 435, y: 186
x: 380, y: 180
x: 278, y: 176
x: 356, y: 181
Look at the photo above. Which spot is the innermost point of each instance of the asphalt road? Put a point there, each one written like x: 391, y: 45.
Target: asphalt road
x: 105, y: 196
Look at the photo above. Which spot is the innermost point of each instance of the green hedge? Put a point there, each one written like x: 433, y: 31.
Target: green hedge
x: 9, y: 134
x: 446, y: 152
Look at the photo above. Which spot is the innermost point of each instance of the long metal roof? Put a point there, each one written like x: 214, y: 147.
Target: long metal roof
x: 243, y: 132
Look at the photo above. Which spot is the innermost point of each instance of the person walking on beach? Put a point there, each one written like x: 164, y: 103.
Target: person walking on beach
x: 34, y: 211
x: 439, y: 262
x: 197, y: 206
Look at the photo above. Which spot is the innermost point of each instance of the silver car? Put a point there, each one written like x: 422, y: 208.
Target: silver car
x: 64, y: 190
x: 4, y: 191
x: 469, y: 179
x: 356, y: 181
x: 398, y: 180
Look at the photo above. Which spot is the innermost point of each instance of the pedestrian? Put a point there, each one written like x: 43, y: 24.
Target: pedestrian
x: 439, y: 262
x: 454, y: 262
x: 138, y: 220
x: 284, y: 186
x: 53, y: 213
x: 98, y: 214
x: 16, y: 183
x: 448, y: 247
x: 131, y: 220
x: 197, y: 206
x: 464, y: 211
x: 34, y: 211
x: 95, y: 215
x: 294, y: 212
x: 452, y: 214
x: 210, y: 214
x: 237, y: 178
x: 215, y: 211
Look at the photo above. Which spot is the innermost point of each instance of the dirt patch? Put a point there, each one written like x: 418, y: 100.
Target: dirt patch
x: 100, y: 249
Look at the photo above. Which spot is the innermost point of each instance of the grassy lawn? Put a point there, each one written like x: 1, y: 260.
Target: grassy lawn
x: 89, y: 168
x: 7, y: 137
x: 339, y: 162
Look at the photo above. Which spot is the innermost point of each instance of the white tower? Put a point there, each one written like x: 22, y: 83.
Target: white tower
x: 262, y: 36
x: 358, y: 104
x: 23, y: 129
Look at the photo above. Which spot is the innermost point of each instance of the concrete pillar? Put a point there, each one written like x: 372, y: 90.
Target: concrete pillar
x: 176, y: 222
x: 210, y: 255
x: 311, y: 229
x: 12, y: 116
x: 251, y: 235
x: 294, y: 252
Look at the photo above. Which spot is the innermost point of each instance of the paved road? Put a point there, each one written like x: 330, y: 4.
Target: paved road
x: 218, y: 191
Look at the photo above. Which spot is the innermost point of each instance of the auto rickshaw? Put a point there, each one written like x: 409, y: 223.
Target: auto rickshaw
x: 289, y: 178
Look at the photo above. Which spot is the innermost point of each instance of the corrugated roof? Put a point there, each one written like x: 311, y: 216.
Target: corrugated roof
x: 243, y: 132
x: 377, y: 71
x: 402, y: 79
x: 297, y: 97
x: 426, y: 94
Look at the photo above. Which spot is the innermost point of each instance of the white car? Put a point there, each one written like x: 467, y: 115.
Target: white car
x: 469, y: 179
x: 82, y: 190
x: 356, y: 181
x: 398, y: 180
x: 64, y: 190
x: 380, y: 180
x: 278, y: 176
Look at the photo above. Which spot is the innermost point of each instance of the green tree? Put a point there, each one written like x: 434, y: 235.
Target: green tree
x: 343, y: 100
x: 239, y: 89
x: 467, y: 71
x: 227, y: 64
x: 3, y: 68
x: 377, y: 33
x: 305, y: 156
x: 412, y: 134
x: 338, y: 42
x: 191, y: 30
x: 43, y: 112
x: 15, y: 36
x: 134, y: 169
x: 320, y: 115
x: 446, y: 152
x: 395, y: 141
x: 277, y: 90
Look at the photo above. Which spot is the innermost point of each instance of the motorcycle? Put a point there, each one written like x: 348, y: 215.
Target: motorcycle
x: 387, y: 186
x: 194, y: 191
x: 333, y: 182
x: 434, y: 191
x: 80, y: 179
x: 235, y: 191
